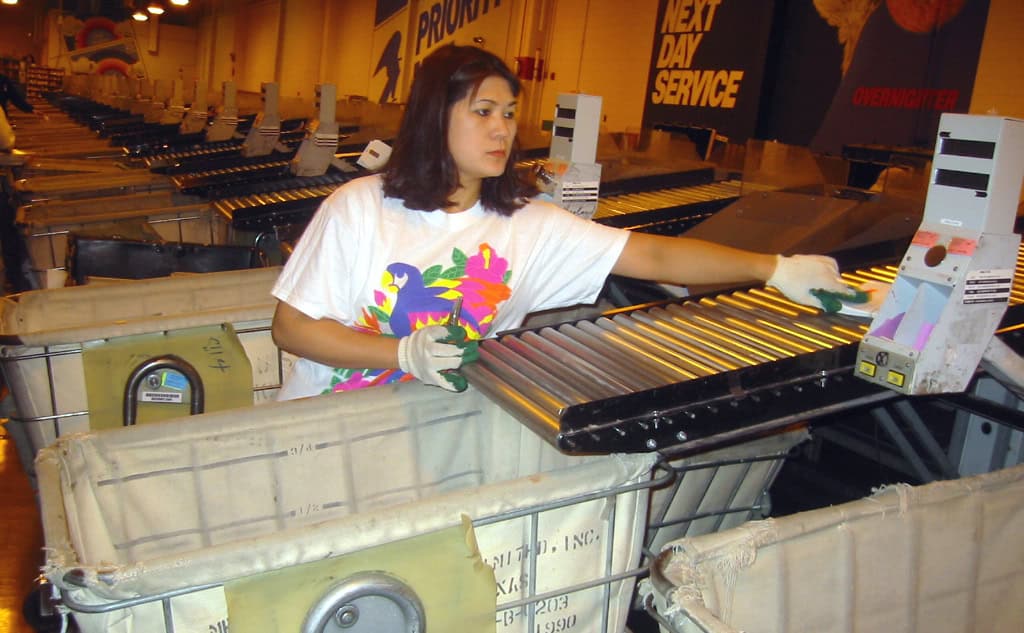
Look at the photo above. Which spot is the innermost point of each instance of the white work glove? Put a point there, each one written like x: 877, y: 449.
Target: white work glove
x: 425, y: 354
x: 797, y: 276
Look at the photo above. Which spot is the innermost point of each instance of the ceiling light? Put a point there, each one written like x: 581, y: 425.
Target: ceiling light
x: 180, y: 3
x: 10, y: 1
x: 155, y: 8
x: 140, y: 15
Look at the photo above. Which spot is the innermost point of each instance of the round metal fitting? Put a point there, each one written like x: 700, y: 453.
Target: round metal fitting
x: 370, y: 601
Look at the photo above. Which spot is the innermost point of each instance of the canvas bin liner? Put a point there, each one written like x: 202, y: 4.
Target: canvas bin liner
x: 945, y: 557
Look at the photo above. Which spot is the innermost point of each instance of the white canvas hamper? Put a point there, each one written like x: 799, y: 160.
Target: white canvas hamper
x: 946, y: 557
x: 206, y: 499
x: 42, y: 333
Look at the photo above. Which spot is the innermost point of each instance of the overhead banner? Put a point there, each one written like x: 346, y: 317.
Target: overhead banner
x: 912, y: 62
x: 101, y: 46
x: 464, y: 22
x: 707, y: 65
x: 881, y: 73
x: 407, y: 31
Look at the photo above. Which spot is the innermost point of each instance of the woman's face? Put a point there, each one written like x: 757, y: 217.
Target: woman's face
x: 481, y: 128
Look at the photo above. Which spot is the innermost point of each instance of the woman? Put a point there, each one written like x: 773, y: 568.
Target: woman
x: 370, y: 286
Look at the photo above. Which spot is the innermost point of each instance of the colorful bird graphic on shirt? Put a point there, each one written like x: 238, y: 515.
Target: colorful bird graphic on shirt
x: 409, y: 299
x: 414, y: 302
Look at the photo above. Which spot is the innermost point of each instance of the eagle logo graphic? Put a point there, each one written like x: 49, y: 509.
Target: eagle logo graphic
x: 389, y: 62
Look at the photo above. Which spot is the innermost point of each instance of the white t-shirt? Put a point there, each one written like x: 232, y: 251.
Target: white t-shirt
x: 370, y: 263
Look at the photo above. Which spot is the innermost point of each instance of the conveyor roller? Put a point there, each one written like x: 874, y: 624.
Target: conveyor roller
x: 691, y: 373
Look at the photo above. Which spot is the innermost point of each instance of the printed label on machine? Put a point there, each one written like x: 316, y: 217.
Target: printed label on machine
x: 578, y: 191
x: 988, y: 286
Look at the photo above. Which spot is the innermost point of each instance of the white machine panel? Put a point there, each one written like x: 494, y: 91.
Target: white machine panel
x: 954, y: 283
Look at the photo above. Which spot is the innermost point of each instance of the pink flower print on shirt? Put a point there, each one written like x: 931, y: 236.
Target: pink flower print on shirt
x: 483, y: 288
x: 410, y: 299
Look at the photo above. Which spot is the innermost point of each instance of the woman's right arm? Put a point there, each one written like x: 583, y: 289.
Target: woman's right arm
x: 330, y: 343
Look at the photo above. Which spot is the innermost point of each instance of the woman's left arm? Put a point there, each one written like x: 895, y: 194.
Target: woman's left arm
x: 686, y: 261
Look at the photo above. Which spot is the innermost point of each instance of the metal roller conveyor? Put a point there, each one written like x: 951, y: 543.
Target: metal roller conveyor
x: 154, y: 159
x: 197, y: 139
x: 670, y: 210
x: 262, y: 210
x: 122, y: 173
x: 183, y: 163
x: 628, y: 203
x: 667, y: 202
x: 684, y: 375
x: 676, y: 208
x: 198, y: 155
x: 249, y: 192
x: 204, y: 183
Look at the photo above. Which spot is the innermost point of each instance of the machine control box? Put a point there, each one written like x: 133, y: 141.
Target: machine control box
x: 954, y: 281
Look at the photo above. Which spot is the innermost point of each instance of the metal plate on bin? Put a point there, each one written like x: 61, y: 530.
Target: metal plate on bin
x: 369, y: 601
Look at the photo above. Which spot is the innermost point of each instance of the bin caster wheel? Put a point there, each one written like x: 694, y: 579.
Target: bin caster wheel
x: 367, y: 601
x: 37, y: 612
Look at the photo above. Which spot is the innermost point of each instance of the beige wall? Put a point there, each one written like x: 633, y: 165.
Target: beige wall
x: 345, y: 49
x: 601, y: 48
x: 167, y: 52
x: 256, y: 43
x: 217, y: 43
x: 998, y: 88
x: 224, y: 65
x: 21, y: 30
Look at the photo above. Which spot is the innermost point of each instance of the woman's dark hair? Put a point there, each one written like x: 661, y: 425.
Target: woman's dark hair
x: 421, y: 171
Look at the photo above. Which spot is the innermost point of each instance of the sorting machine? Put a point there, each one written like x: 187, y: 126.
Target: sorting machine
x: 226, y: 140
x: 685, y: 376
x: 138, y: 145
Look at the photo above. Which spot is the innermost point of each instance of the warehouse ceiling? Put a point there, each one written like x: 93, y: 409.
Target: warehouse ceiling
x: 118, y: 10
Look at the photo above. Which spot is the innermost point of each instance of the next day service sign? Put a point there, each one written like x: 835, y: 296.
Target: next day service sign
x: 707, y: 64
